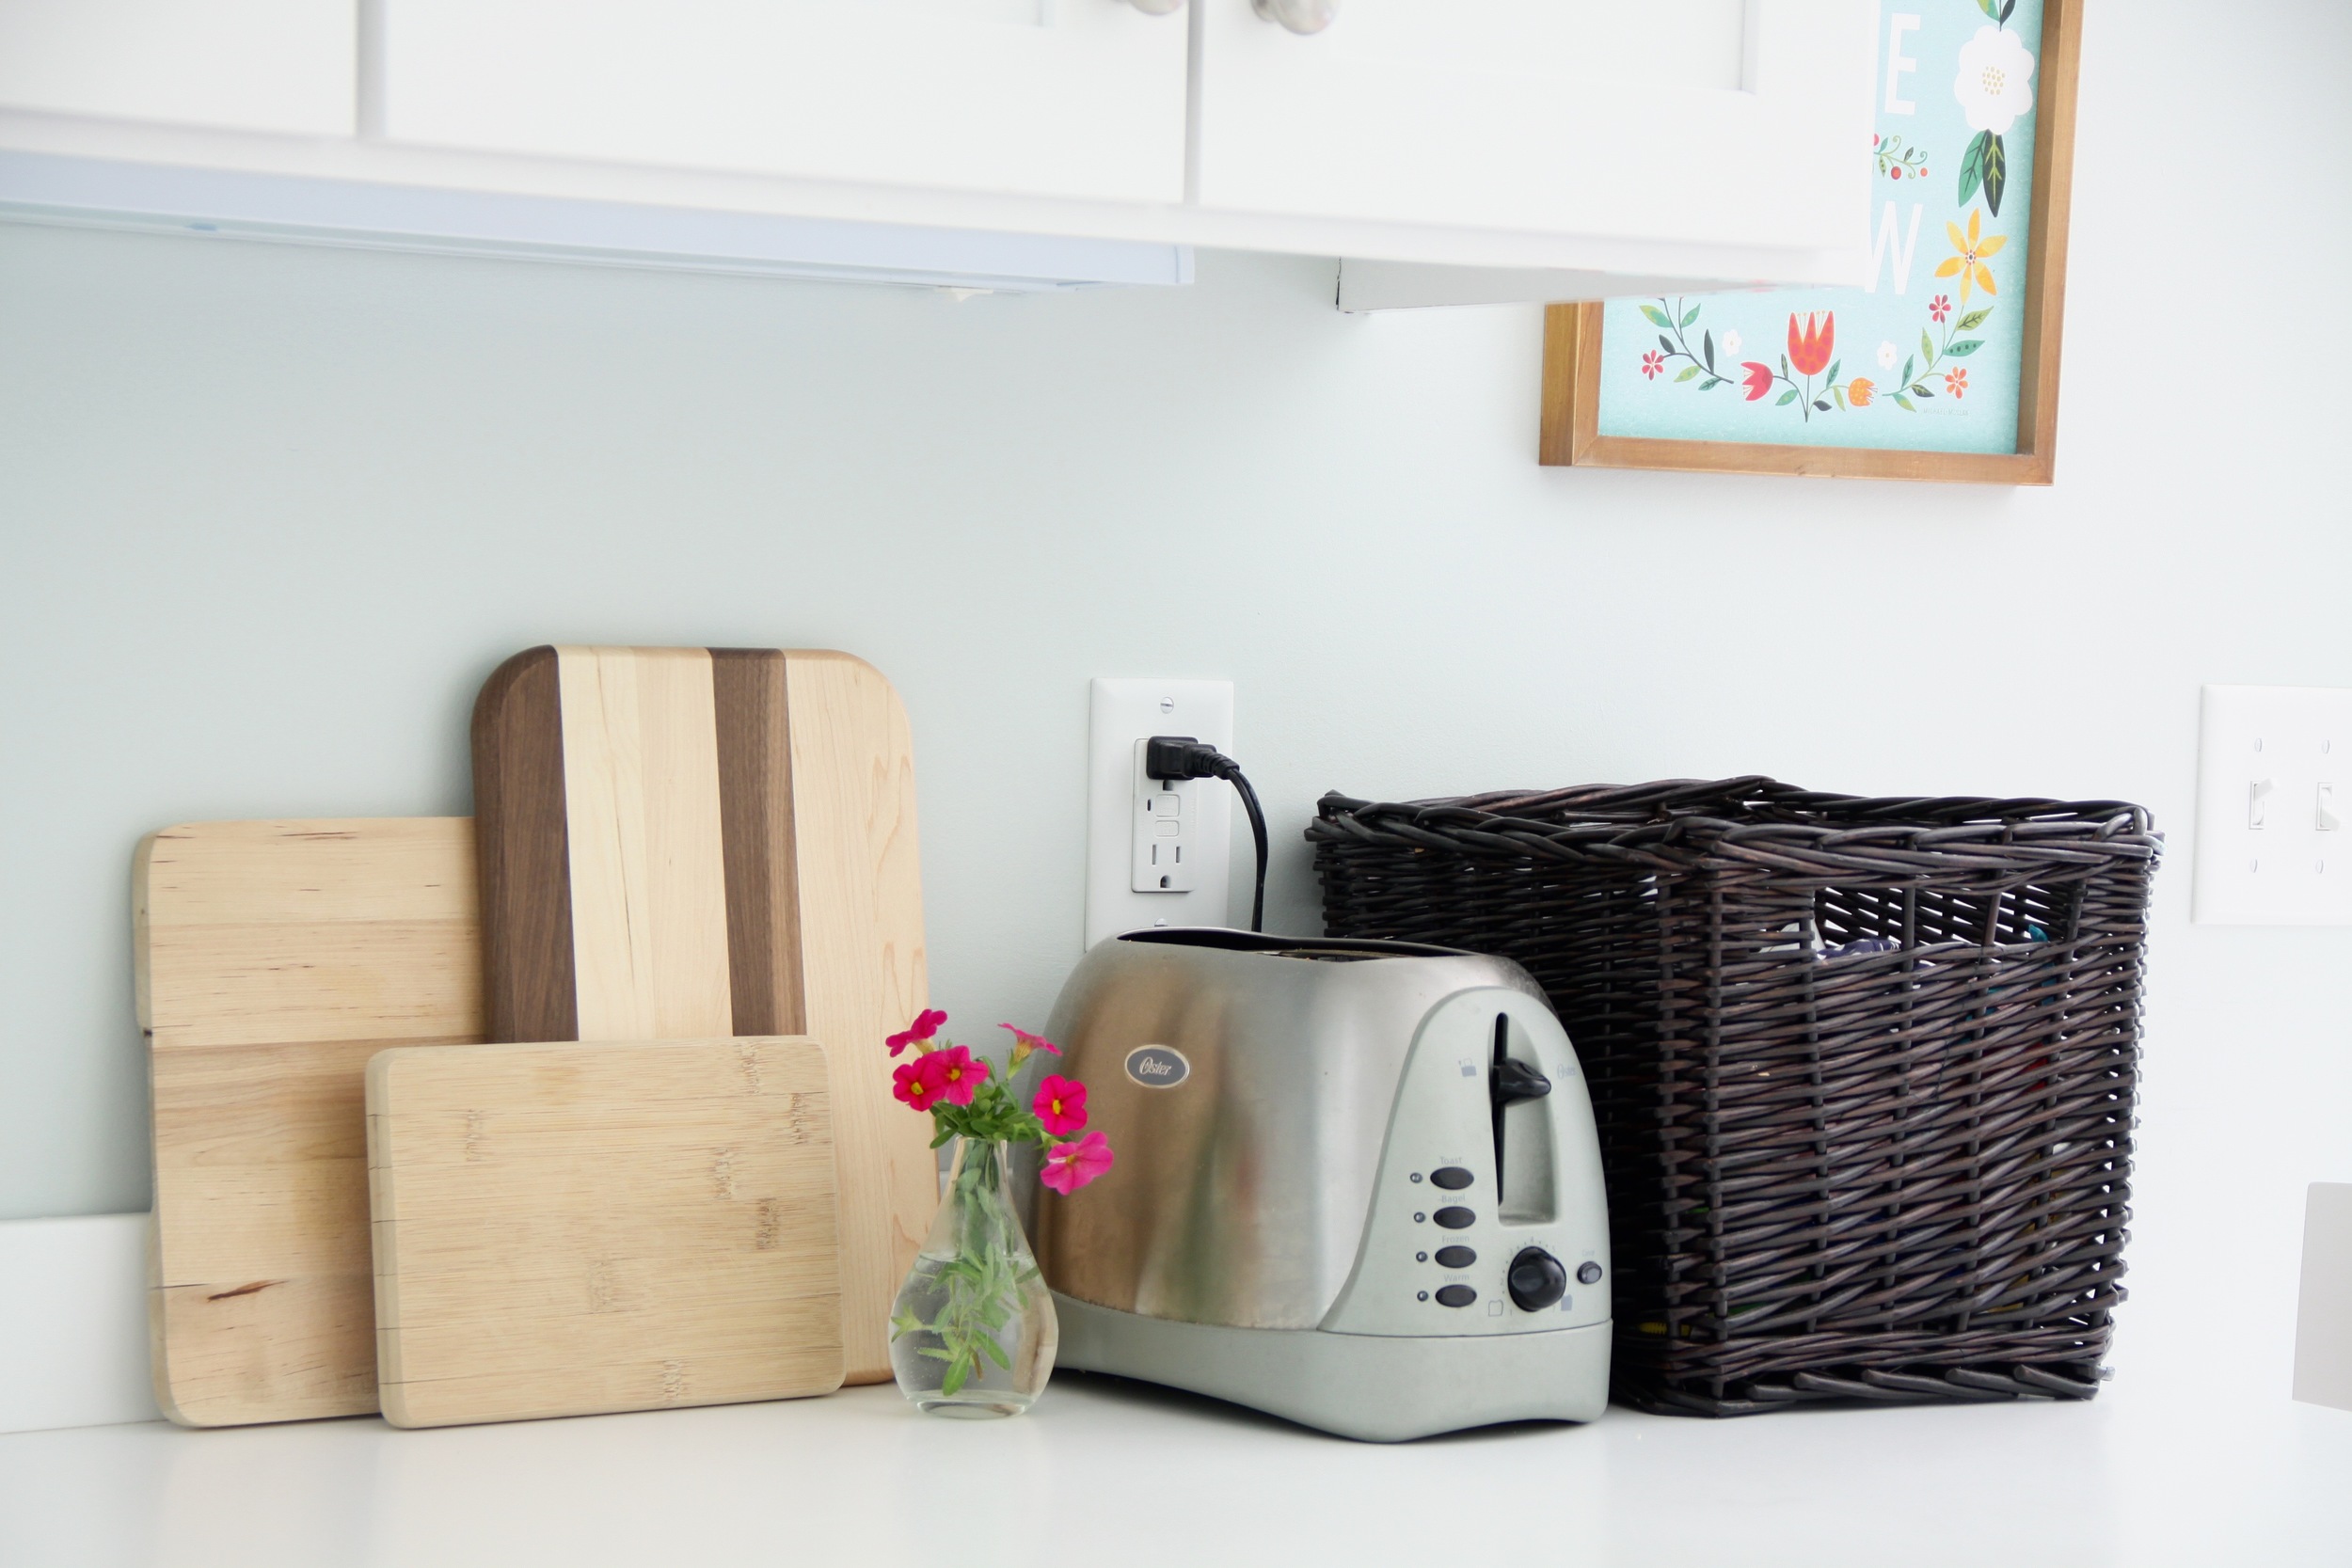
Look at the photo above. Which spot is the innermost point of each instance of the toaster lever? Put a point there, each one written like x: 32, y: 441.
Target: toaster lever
x: 1515, y: 1080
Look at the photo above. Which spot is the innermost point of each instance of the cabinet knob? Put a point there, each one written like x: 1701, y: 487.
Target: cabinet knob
x: 1158, y: 8
x: 1299, y: 16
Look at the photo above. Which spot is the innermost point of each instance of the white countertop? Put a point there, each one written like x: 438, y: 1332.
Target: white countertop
x: 1111, y: 1474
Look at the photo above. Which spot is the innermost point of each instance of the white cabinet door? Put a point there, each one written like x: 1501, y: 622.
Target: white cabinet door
x: 246, y: 65
x: 1709, y: 121
x: 1078, y: 98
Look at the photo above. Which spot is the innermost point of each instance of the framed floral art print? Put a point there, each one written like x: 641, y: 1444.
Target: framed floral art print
x: 1944, y: 364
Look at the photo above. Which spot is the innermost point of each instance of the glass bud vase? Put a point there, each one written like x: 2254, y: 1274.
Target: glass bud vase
x: 972, y: 1332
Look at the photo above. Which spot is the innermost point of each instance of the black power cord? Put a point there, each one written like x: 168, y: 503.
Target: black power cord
x: 1180, y: 756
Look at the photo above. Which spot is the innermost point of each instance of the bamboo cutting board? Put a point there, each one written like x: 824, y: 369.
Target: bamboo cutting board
x: 272, y: 960
x: 686, y: 842
x: 570, y: 1230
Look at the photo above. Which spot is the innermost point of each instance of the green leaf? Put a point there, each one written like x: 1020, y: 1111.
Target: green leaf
x: 1830, y: 375
x: 1784, y: 364
x: 1919, y: 389
x: 957, y: 1376
x: 1822, y: 404
x: 1665, y: 343
x: 997, y: 1353
x: 1786, y: 399
x: 1927, y: 346
x: 1656, y: 316
x: 2006, y: 6
x: 1905, y: 403
x: 1972, y: 161
x: 936, y: 1355
x: 1710, y: 385
x: 1688, y: 372
x: 1840, y: 394
x: 1706, y: 346
x: 1906, y: 375
x: 1691, y: 315
x: 1973, y: 320
x: 1995, y: 175
x: 1991, y: 9
x: 1961, y: 351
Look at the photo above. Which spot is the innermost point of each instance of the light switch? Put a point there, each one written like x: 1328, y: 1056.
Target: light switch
x: 2265, y: 807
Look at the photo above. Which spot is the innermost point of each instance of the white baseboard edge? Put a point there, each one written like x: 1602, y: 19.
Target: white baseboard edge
x: 2323, y: 1324
x: 73, y: 1323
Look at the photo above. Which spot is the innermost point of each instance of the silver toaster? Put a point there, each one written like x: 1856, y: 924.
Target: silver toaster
x: 1357, y: 1184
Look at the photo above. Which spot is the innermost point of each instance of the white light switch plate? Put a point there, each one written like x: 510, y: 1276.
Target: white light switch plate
x: 1119, y: 828
x: 2273, y: 844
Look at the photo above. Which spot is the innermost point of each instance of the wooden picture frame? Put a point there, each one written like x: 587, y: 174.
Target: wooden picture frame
x: 1572, y: 342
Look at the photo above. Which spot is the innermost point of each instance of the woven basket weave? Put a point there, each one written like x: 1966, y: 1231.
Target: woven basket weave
x: 1833, y: 1172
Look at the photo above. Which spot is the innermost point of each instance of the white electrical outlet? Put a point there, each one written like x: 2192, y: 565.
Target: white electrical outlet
x: 1155, y: 856
x: 2272, y: 848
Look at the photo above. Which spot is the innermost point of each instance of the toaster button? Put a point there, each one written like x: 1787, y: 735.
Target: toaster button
x: 1457, y: 1296
x: 1452, y: 1178
x: 1455, y: 1218
x: 1588, y: 1274
x: 1456, y: 1257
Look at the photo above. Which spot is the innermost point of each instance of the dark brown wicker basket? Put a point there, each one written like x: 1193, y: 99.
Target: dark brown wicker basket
x: 1833, y: 1172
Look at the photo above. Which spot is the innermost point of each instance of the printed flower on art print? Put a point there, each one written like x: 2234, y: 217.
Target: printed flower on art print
x: 1995, y: 82
x: 1995, y: 86
x: 1970, y: 252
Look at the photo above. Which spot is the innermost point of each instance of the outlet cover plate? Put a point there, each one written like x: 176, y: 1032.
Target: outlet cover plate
x: 1120, y: 713
x: 2274, y: 767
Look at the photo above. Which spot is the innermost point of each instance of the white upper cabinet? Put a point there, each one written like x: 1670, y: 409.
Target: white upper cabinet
x: 244, y: 65
x: 1061, y: 98
x: 1743, y: 122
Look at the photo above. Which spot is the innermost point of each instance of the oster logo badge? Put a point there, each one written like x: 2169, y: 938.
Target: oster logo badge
x: 1158, y: 1067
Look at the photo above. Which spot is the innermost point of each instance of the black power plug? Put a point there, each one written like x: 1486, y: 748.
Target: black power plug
x: 1180, y: 756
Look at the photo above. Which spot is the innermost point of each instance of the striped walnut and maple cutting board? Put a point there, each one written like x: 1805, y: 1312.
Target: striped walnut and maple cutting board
x: 680, y: 843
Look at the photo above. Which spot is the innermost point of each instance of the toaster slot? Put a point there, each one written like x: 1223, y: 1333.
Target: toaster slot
x: 1522, y: 1096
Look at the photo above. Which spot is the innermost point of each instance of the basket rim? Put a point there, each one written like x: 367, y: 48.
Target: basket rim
x: 1755, y: 823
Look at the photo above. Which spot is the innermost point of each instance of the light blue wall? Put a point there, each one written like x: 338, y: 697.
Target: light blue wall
x: 268, y: 515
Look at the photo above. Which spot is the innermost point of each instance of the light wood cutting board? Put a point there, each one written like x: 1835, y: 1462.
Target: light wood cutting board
x: 683, y: 842
x: 272, y: 960
x: 570, y: 1230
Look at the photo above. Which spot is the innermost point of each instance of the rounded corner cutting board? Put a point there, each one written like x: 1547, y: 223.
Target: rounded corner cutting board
x: 272, y: 960
x: 677, y: 843
x: 572, y: 1230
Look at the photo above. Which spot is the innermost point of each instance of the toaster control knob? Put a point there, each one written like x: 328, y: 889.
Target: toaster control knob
x: 1538, y: 1279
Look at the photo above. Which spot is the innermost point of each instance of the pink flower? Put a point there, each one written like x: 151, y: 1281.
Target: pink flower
x: 1071, y: 1166
x: 1060, y: 1104
x: 1652, y: 363
x: 1941, y: 306
x: 1024, y: 1043
x: 926, y: 1024
x: 960, y: 1075
x: 919, y: 1082
x: 1759, y: 379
